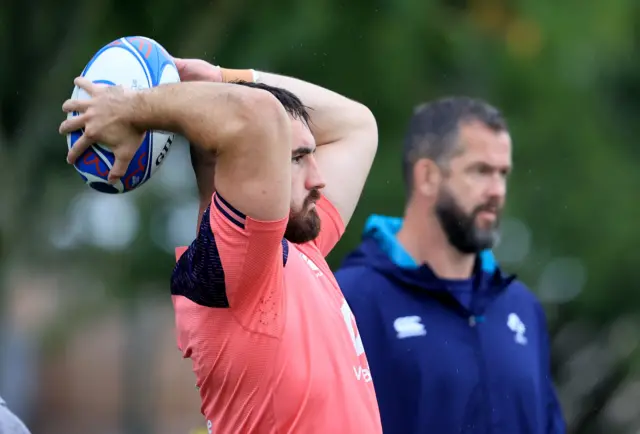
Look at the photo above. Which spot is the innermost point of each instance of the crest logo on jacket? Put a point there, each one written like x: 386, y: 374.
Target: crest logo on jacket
x: 517, y: 326
x: 409, y: 326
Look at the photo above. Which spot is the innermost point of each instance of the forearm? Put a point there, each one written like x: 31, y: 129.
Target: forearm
x: 334, y: 117
x: 207, y: 114
x: 247, y: 128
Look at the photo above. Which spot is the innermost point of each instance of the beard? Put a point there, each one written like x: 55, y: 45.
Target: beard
x: 304, y: 225
x: 460, y: 227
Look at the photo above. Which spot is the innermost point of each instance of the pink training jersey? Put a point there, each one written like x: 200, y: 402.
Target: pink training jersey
x: 273, y: 343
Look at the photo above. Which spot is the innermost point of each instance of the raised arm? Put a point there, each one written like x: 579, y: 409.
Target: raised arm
x: 346, y: 135
x: 345, y: 131
x: 247, y: 128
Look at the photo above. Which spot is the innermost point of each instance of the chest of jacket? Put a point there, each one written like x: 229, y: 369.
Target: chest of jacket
x: 476, y: 374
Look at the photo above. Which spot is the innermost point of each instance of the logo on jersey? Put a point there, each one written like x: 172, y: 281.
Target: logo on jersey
x: 311, y: 265
x: 361, y: 373
x: 350, y: 321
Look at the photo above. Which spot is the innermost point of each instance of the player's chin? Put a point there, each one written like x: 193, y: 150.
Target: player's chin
x: 303, y: 228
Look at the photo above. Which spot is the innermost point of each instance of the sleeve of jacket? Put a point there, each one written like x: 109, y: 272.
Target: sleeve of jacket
x: 555, y: 419
x: 556, y: 423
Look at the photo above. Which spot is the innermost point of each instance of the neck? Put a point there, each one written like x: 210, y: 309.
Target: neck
x: 424, y: 239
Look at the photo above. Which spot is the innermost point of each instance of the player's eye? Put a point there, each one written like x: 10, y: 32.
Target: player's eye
x: 297, y: 159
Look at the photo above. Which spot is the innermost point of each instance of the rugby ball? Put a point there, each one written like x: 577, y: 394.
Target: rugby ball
x: 134, y: 62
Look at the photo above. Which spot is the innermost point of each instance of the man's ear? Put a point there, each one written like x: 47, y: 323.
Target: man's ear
x: 427, y: 178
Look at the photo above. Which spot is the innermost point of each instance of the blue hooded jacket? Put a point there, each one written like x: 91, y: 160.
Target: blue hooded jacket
x: 449, y: 357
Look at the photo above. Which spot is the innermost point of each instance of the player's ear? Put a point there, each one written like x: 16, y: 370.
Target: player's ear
x: 426, y: 177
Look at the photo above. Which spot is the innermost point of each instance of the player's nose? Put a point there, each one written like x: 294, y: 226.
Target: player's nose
x: 314, y: 180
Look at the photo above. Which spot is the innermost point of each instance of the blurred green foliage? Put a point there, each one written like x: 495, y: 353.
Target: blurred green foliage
x: 564, y: 73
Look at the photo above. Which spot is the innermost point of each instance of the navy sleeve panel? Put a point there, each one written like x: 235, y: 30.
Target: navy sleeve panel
x: 198, y: 274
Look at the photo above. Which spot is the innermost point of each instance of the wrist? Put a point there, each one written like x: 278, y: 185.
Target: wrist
x: 136, y: 109
x: 231, y: 75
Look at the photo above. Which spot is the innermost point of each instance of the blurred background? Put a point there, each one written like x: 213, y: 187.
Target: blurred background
x: 87, y: 342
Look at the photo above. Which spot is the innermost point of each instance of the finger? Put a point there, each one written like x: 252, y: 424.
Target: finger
x: 72, y: 124
x: 75, y: 105
x: 85, y: 84
x: 181, y: 66
x: 120, y: 166
x: 78, y: 148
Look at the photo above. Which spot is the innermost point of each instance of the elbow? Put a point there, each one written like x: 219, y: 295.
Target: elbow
x: 368, y: 121
x: 259, y: 114
x: 266, y: 112
x: 368, y: 128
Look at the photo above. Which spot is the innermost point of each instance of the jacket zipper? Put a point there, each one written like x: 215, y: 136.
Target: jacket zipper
x: 482, y: 367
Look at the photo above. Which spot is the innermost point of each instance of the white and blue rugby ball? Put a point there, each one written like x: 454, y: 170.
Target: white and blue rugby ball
x: 134, y: 62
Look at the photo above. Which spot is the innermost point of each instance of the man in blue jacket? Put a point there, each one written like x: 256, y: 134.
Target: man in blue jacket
x: 454, y: 345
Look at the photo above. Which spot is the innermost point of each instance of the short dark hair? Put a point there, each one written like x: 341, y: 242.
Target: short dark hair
x: 292, y: 105
x: 434, y: 127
